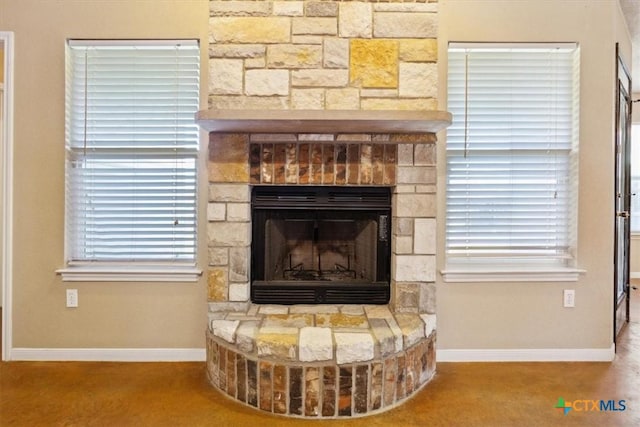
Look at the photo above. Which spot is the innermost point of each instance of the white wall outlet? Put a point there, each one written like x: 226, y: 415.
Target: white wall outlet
x: 569, y: 298
x: 72, y: 298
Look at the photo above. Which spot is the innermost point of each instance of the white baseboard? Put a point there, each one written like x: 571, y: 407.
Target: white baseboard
x: 199, y: 355
x: 528, y: 355
x: 108, y: 354
x: 634, y: 275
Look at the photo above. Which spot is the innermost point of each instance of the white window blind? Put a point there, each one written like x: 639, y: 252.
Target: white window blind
x: 131, y: 148
x: 511, y: 154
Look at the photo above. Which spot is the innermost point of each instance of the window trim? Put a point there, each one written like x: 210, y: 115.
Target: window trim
x: 129, y: 272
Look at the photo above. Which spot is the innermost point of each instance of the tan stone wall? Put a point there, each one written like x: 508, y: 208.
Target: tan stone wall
x: 347, y: 55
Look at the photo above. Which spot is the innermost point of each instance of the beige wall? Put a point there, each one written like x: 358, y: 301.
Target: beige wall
x: 126, y: 315
x: 1, y: 64
x: 530, y: 315
x: 500, y: 315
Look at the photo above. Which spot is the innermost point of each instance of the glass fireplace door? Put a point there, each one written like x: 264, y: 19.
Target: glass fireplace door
x: 311, y: 254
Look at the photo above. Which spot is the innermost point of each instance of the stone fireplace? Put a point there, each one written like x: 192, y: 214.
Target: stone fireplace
x: 321, y: 100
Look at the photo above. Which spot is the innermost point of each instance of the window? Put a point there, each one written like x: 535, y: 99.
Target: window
x: 512, y: 162
x: 131, y: 156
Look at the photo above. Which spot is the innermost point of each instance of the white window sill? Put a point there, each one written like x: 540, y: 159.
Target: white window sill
x: 130, y: 273
x: 511, y: 275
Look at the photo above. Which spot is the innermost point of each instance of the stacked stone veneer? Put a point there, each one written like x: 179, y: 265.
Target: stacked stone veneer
x: 345, y: 55
x: 319, y: 55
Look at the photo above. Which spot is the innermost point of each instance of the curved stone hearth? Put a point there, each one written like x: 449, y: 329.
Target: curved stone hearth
x: 320, y: 361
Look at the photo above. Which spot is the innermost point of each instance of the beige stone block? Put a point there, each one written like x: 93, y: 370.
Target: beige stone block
x: 288, y: 8
x: 407, y: 297
x: 405, y: 25
x: 405, y: 7
x: 307, y: 99
x: 250, y: 29
x: 374, y: 63
x: 242, y: 51
x: 418, y: 80
x: 319, y: 78
x: 273, y: 309
x: 321, y: 8
x: 294, y: 56
x: 245, y: 335
x: 229, y: 233
x: 315, y: 344
x: 229, y: 193
x: 378, y: 312
x: 427, y: 189
x: 266, y: 82
x: 355, y: 20
x: 353, y: 310
x: 225, y: 329
x: 218, y: 256
x: 416, y: 205
x: 405, y: 154
x: 403, y: 226
x: 412, y: 328
x: 238, y: 212
x: 239, y: 8
x: 228, y: 160
x: 225, y: 76
x: 403, y: 245
x: 340, y: 320
x: 379, y: 93
x: 428, y: 298
x: 336, y: 53
x: 291, y: 320
x: 425, y: 154
x: 417, y: 104
x: 238, y: 264
x: 239, y: 292
x: 278, y: 345
x: 424, y: 236
x: 416, y: 175
x: 248, y: 102
x: 315, y: 26
x: 353, y: 347
x: 383, y: 336
x: 419, y: 50
x: 404, y: 188
x: 217, y: 284
x: 343, y: 99
x: 252, y: 63
x: 306, y: 39
x: 430, y: 323
x: 415, y: 268
x: 216, y: 211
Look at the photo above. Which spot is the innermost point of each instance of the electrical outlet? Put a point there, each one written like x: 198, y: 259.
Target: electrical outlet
x: 72, y: 298
x: 569, y: 299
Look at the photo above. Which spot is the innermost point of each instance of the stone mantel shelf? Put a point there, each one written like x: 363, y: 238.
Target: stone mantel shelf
x: 322, y: 121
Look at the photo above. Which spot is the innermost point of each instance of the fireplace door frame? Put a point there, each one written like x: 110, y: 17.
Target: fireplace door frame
x: 323, y: 202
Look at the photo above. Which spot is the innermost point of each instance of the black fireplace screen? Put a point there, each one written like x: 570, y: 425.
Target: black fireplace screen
x: 320, y: 245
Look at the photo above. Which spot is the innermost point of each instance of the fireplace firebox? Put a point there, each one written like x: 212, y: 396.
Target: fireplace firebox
x: 320, y: 245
